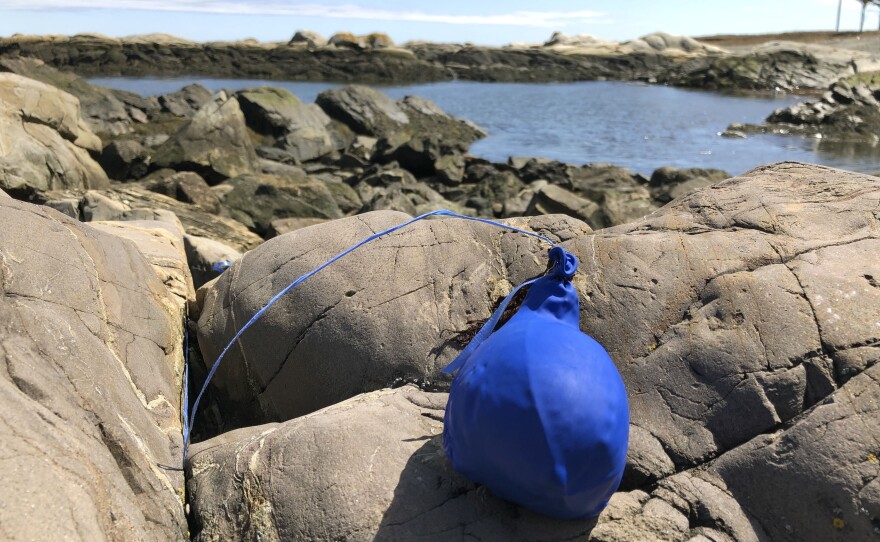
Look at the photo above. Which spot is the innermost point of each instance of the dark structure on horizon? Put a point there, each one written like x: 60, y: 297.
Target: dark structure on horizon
x: 865, y: 4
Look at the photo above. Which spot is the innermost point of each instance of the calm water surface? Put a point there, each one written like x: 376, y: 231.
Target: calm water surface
x: 638, y: 126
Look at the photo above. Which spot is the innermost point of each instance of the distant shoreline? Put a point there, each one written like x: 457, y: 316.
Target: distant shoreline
x: 729, y: 63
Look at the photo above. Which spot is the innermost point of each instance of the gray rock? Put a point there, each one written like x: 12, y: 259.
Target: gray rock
x: 90, y: 391
x: 44, y: 142
x: 818, y: 479
x: 125, y: 159
x: 848, y: 112
x: 187, y: 187
x: 215, y: 143
x: 202, y: 253
x: 257, y: 200
x: 414, y: 131
x: 743, y: 320
x: 779, y: 65
x: 378, y: 40
x: 301, y: 130
x: 364, y: 110
x: 66, y: 206
x: 347, y: 40
x: 438, y: 276
x: 668, y: 183
x: 552, y: 199
x: 186, y: 101
x: 132, y: 202
x: 287, y: 225
x: 312, y: 39
x: 397, y: 190
x: 375, y: 470
x: 96, y: 206
x: 105, y: 111
x: 620, y: 194
x: 162, y: 245
x: 735, y: 342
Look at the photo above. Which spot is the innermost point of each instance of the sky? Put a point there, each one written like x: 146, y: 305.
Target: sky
x: 487, y: 22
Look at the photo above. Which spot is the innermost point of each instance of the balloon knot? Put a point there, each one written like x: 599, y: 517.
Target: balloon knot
x: 564, y: 264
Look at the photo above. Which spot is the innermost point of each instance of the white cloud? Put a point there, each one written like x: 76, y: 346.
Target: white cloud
x: 541, y: 19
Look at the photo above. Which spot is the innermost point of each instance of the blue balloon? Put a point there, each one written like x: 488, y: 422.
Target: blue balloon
x: 538, y: 412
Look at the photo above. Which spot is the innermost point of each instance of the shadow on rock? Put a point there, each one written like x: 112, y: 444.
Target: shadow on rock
x: 433, y: 503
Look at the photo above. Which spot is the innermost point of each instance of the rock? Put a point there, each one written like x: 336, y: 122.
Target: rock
x: 552, y: 199
x: 394, y: 435
x: 378, y: 40
x: 90, y: 391
x: 44, y: 143
x: 187, y: 187
x: 439, y: 276
x: 827, y: 464
x: 848, y: 112
x: 287, y: 225
x: 257, y: 200
x: 301, y: 130
x: 214, y: 143
x: 490, y: 189
x: 397, y: 190
x: 663, y: 42
x: 97, y: 55
x: 4, y: 195
x: 162, y: 245
x: 558, y: 38
x: 413, y: 132
x: 95, y: 206
x: 751, y: 371
x: 125, y: 159
x: 655, y: 44
x: 347, y: 40
x: 772, y: 66
x: 133, y: 202
x: 364, y: 110
x: 202, y: 253
x: 535, y: 169
x: 753, y: 304
x: 186, y: 101
x: 104, y: 110
x: 312, y: 39
x: 668, y: 183
x: 621, y: 195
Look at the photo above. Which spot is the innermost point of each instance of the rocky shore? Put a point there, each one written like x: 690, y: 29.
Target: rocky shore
x: 743, y: 314
x: 848, y: 112
x: 658, y: 57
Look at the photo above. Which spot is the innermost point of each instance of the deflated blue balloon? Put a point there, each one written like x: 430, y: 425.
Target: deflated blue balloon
x: 538, y: 412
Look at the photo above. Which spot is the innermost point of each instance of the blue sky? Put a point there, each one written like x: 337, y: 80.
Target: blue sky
x: 491, y: 22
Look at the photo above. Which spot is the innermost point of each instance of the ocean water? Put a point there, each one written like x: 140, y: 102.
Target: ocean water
x: 634, y: 125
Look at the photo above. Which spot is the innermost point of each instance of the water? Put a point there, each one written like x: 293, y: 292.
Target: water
x: 638, y: 126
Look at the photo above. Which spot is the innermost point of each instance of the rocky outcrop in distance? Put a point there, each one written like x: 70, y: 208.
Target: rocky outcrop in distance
x: 657, y: 57
x: 849, y: 112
